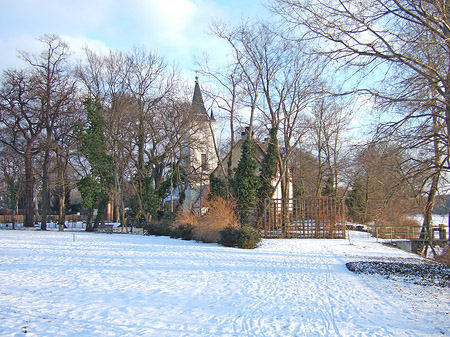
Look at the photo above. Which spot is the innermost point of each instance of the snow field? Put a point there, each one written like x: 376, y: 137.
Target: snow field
x: 82, y: 284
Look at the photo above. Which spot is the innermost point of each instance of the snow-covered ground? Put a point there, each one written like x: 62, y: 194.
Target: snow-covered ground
x: 82, y: 284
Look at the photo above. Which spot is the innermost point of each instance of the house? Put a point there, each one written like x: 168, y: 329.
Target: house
x: 231, y: 160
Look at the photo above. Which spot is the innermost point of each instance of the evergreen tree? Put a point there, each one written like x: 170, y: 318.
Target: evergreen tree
x: 268, y: 167
x: 357, y: 201
x: 92, y: 145
x: 245, y: 182
x: 217, y: 188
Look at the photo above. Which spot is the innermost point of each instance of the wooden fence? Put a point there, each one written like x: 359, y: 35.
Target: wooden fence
x: 305, y: 217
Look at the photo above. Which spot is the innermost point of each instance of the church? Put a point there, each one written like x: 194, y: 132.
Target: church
x: 198, y: 152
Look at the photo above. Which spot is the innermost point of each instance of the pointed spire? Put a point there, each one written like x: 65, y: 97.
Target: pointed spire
x: 198, y: 106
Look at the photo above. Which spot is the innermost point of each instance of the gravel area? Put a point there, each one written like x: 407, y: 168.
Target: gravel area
x: 428, y: 274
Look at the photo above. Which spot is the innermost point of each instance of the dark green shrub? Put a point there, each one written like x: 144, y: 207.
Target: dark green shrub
x: 246, y: 237
x: 159, y: 227
x: 183, y: 231
x: 250, y: 237
x: 229, y: 236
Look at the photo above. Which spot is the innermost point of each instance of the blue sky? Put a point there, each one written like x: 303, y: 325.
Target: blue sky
x: 177, y: 29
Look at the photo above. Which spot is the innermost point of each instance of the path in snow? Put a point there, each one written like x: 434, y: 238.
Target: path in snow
x: 130, y: 285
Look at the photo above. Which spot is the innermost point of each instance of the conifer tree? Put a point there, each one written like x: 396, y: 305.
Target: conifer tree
x: 357, y: 201
x: 268, y: 167
x: 218, y: 187
x: 245, y: 182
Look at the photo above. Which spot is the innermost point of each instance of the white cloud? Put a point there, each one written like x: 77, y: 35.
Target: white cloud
x: 11, y: 46
x: 176, y: 29
x: 30, y: 44
x: 78, y: 43
x: 175, y: 23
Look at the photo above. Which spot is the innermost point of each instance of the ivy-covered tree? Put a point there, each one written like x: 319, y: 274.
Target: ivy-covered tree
x: 245, y: 182
x: 329, y: 189
x: 150, y: 198
x: 90, y: 190
x: 92, y: 145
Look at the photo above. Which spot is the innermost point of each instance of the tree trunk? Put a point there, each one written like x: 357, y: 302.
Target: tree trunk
x: 29, y: 188
x: 428, y: 213
x: 284, y: 178
x: 426, y: 232
x: 120, y: 206
x: 101, y: 213
x: 14, y: 212
x: 89, y: 227
x: 62, y: 209
x: 61, y: 170
x: 45, y: 191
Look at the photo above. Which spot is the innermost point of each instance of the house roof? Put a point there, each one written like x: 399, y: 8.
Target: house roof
x: 260, y: 152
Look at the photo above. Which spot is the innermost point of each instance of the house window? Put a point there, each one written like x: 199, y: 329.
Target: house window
x: 203, y: 161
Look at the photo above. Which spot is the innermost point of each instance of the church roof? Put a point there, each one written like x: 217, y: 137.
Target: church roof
x: 198, y: 107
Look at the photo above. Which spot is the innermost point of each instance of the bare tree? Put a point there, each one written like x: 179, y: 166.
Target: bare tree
x: 103, y: 77
x: 22, y: 116
x: 328, y: 122
x: 145, y: 119
x: 11, y: 170
x: 287, y: 85
x: 250, y: 79
x: 385, y: 189
x: 54, y: 87
x: 403, y: 43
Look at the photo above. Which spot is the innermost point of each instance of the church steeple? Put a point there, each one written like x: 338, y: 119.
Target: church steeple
x: 198, y: 107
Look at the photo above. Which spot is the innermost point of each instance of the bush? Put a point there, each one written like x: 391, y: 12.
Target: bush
x: 183, y: 231
x: 246, y: 237
x: 184, y: 225
x: 220, y: 215
x: 229, y: 236
x: 160, y: 227
x: 250, y: 237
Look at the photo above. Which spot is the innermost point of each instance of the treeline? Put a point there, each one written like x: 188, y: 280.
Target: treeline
x: 113, y: 126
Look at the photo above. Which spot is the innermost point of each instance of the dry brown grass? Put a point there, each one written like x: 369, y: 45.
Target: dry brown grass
x: 220, y: 214
x: 406, y: 221
x: 186, y: 218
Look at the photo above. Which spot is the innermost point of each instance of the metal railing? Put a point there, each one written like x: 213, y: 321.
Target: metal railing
x: 401, y: 232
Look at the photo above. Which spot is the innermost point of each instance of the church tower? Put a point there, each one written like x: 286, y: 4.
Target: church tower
x: 198, y: 151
